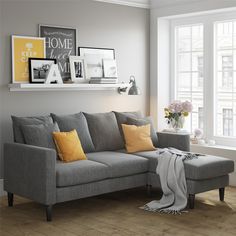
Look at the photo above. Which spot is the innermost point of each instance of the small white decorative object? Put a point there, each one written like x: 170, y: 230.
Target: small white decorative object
x: 201, y: 142
x: 211, y: 142
x: 78, y: 69
x: 110, y: 68
x: 54, y: 75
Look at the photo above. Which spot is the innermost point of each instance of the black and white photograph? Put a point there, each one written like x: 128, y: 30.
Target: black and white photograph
x: 94, y: 59
x: 110, y: 68
x: 38, y: 69
x: 60, y: 44
x: 78, y: 69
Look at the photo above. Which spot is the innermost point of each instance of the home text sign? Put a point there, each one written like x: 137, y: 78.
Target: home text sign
x: 60, y: 44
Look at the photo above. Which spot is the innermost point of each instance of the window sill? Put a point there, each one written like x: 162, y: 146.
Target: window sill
x: 220, y: 147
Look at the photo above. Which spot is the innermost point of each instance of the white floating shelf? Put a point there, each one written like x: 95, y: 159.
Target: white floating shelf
x: 64, y: 87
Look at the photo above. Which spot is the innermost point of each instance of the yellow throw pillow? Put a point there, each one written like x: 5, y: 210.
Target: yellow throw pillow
x: 68, y: 146
x: 137, y: 138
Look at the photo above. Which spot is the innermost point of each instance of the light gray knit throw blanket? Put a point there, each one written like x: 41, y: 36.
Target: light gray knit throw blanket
x: 170, y: 169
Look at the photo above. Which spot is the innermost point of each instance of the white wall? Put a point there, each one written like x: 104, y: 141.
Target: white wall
x: 100, y: 25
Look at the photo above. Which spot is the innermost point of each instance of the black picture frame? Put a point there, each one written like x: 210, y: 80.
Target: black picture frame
x: 36, y: 61
x: 61, y: 42
x: 94, y: 59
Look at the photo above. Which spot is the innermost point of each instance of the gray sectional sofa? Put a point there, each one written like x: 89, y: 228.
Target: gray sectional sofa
x: 36, y: 173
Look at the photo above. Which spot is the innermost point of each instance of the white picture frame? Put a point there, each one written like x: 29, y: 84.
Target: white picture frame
x: 78, y: 69
x: 94, y: 59
x: 110, y: 68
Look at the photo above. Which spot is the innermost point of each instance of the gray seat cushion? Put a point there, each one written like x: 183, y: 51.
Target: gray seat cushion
x: 120, y: 164
x: 19, y: 121
x: 79, y: 172
x: 78, y: 122
x: 207, y: 167
x: 203, y: 167
x: 104, y: 131
x: 145, y: 121
x: 40, y: 135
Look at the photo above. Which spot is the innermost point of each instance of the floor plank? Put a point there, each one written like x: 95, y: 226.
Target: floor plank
x: 119, y: 214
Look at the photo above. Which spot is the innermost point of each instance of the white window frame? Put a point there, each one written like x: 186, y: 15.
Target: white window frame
x: 208, y: 21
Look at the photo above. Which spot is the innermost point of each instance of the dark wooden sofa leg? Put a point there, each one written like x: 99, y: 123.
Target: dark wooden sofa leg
x: 191, y: 200
x: 10, y: 197
x: 222, y: 194
x: 49, y: 212
x: 149, y: 189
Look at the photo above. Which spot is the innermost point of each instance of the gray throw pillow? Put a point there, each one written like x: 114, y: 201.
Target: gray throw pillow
x: 40, y: 135
x: 104, y: 131
x: 122, y: 117
x: 78, y: 122
x: 145, y: 121
x: 19, y: 121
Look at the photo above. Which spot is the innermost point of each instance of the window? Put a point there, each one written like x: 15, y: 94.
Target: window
x: 189, y: 69
x: 227, y: 122
x: 204, y: 72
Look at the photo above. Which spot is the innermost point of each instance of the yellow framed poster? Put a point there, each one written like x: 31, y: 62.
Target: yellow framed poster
x: 24, y: 47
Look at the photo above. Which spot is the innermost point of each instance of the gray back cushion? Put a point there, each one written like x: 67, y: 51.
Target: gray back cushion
x: 122, y: 117
x: 19, y: 121
x: 104, y: 131
x: 40, y: 135
x: 145, y: 121
x: 78, y: 122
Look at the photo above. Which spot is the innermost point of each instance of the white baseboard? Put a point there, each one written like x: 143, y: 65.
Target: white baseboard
x: 2, y: 192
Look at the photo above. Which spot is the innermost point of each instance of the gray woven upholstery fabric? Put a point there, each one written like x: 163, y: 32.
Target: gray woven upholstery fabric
x: 29, y: 171
x: 104, y: 131
x: 207, y: 167
x: 122, y: 117
x: 80, y: 172
x: 145, y: 121
x: 78, y: 122
x: 120, y: 164
x: 152, y: 159
x: 179, y: 141
x: 40, y: 135
x: 34, y: 120
x: 203, y: 167
x: 100, y: 187
x: 194, y: 186
x: 204, y: 185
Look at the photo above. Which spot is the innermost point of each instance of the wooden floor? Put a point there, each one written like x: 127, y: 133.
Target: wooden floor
x: 119, y: 214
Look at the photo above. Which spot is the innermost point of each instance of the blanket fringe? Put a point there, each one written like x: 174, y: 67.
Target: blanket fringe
x: 166, y: 211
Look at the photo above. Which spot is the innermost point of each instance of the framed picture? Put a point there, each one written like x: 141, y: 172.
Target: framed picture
x: 110, y: 68
x: 38, y: 69
x: 78, y: 69
x: 60, y: 44
x: 24, y: 47
x: 94, y: 59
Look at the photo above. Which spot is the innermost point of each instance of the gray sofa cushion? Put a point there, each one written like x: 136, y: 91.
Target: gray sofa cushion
x: 207, y: 167
x: 104, y: 131
x: 122, y: 117
x: 79, y: 172
x: 19, y: 121
x: 40, y: 135
x: 78, y: 122
x: 120, y: 164
x: 145, y: 121
x: 203, y: 167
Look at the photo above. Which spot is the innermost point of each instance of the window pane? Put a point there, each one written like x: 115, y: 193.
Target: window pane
x: 190, y: 71
x: 225, y: 68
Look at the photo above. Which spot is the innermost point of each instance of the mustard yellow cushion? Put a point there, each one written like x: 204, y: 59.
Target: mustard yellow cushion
x: 137, y: 138
x: 68, y: 146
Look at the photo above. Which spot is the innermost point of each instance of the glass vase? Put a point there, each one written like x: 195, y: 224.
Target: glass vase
x: 177, y: 123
